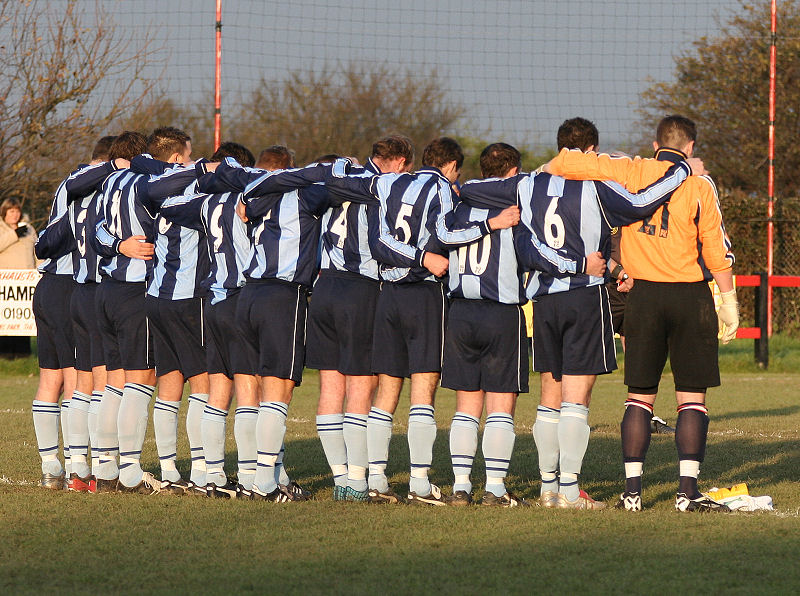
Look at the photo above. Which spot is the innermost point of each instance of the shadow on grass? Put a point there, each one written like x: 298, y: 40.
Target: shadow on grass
x: 758, y: 413
x: 759, y: 461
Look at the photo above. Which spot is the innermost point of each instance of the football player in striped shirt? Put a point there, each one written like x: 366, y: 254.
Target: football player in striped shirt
x: 415, y: 231
x: 89, y: 361
x: 573, y: 336
x: 230, y: 362
x: 174, y: 305
x: 486, y: 347
x: 125, y: 235
x: 284, y: 209
x: 340, y: 325
x: 56, y: 244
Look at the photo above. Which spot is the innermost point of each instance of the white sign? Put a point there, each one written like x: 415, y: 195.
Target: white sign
x: 16, y: 301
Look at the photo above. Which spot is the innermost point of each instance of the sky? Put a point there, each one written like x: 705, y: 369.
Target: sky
x: 518, y: 67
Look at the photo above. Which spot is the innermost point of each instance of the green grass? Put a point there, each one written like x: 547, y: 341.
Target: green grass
x: 77, y: 543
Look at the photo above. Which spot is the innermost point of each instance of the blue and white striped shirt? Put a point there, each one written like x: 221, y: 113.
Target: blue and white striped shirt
x: 226, y: 237
x: 414, y: 216
x: 345, y: 235
x: 494, y: 267
x: 57, y: 242
x: 284, y: 208
x: 571, y: 217
x: 131, y: 199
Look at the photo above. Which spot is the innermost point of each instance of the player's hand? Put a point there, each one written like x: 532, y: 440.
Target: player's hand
x: 625, y: 286
x: 241, y: 211
x: 696, y: 164
x: 728, y: 316
x: 436, y: 264
x: 121, y: 163
x: 137, y: 247
x: 595, y: 264
x: 507, y: 218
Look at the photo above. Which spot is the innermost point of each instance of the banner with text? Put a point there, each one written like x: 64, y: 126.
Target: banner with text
x: 16, y: 301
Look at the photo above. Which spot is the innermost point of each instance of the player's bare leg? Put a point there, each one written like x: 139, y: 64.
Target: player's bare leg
x: 46, y: 413
x: 247, y: 391
x: 77, y: 436
x: 98, y: 386
x: 573, y: 438
x: 165, y: 425
x: 379, y: 435
x: 691, y: 434
x: 464, y: 443
x: 213, y: 427
x: 359, y: 391
x: 132, y: 424
x: 330, y: 427
x: 545, y: 434
x: 635, y: 434
x: 498, y: 445
x: 107, y: 469
x: 276, y: 394
x: 422, y: 433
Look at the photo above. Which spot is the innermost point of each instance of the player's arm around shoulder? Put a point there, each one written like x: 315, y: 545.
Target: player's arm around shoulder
x: 634, y: 173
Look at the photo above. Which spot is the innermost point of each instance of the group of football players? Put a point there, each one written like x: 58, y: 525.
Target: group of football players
x: 160, y: 270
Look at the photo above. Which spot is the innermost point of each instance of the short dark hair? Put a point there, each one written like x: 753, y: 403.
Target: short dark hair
x: 127, y: 145
x: 327, y: 158
x: 675, y: 132
x: 394, y: 146
x: 442, y: 151
x: 102, y: 148
x: 240, y: 153
x: 165, y: 141
x: 577, y: 133
x: 276, y: 157
x: 498, y: 158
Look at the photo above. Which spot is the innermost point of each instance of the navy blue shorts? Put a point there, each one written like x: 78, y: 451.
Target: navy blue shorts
x: 485, y: 347
x: 340, y: 323
x: 54, y: 336
x: 409, y: 328
x: 88, y: 341
x: 178, y: 335
x: 127, y: 341
x: 226, y: 352
x: 272, y: 318
x: 573, y: 333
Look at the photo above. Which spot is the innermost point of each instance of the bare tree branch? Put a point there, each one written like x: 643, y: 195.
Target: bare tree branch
x: 65, y: 76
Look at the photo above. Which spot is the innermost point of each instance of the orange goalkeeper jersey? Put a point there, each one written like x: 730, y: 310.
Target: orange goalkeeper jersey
x: 684, y: 241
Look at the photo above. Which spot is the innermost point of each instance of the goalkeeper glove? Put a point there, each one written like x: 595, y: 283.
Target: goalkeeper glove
x: 728, y: 316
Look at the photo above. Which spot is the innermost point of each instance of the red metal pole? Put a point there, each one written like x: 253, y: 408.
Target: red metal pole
x: 218, y: 80
x: 771, y: 167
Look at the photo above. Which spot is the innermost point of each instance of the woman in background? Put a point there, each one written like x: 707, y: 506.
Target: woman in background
x: 16, y: 252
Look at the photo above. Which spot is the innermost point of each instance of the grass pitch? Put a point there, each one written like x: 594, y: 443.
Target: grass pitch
x: 78, y: 543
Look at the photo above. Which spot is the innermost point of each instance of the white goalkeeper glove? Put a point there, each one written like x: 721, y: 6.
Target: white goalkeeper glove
x: 728, y: 316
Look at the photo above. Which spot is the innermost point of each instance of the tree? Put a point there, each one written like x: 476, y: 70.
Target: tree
x: 59, y: 69
x: 722, y: 83
x: 161, y: 110
x: 343, y: 110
